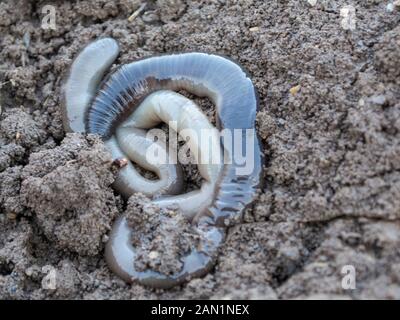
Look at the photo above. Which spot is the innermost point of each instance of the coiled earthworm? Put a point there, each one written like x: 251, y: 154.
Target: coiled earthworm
x: 137, y: 96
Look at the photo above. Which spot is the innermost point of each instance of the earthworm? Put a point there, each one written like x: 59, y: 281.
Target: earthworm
x: 137, y: 96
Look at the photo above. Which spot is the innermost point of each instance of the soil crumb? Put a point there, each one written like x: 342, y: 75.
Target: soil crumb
x: 160, y: 236
x: 66, y: 188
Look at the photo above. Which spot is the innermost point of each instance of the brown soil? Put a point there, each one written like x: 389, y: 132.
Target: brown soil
x: 329, y: 120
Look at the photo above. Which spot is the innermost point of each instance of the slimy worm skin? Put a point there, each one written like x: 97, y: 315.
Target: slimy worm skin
x: 139, y: 95
x: 181, y: 114
x: 83, y: 80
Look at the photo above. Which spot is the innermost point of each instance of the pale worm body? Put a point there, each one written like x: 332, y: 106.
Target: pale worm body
x: 182, y: 114
x: 138, y: 96
x: 83, y: 81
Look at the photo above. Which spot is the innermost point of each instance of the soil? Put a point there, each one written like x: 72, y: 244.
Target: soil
x: 330, y: 125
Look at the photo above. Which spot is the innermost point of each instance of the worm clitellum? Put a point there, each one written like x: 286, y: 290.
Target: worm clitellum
x: 138, y: 96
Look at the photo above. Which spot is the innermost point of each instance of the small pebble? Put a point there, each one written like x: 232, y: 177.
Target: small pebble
x: 28, y: 272
x: 153, y: 255
x: 120, y: 162
x: 137, y: 12
x: 291, y: 253
x: 294, y: 90
x: 27, y: 39
x: 11, y: 216
x: 379, y: 100
x: 150, y: 16
x: 281, y: 121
